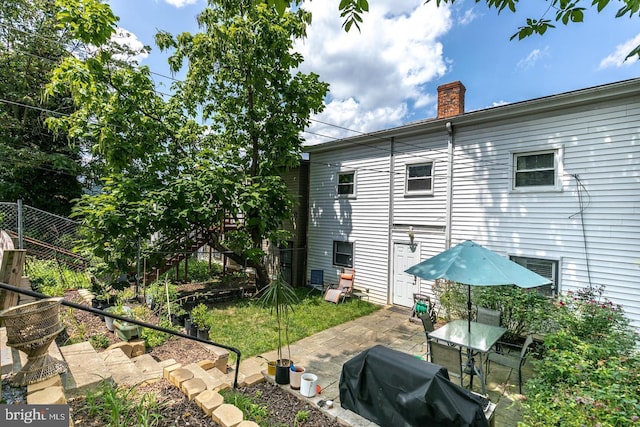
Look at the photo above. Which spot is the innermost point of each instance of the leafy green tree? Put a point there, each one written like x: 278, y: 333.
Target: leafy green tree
x: 37, y: 165
x: 169, y: 174
x: 240, y: 77
x: 563, y: 11
x: 127, y: 123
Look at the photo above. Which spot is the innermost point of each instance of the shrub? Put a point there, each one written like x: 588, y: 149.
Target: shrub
x: 590, y: 374
x: 158, y: 292
x: 452, y: 299
x: 200, y: 316
x: 51, y: 278
x: 523, y: 310
x: 197, y: 271
x: 153, y: 338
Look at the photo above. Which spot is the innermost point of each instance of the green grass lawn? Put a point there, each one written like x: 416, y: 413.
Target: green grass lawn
x: 252, y: 329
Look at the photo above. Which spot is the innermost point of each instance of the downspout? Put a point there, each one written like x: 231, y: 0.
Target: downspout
x: 390, y: 216
x: 449, y: 206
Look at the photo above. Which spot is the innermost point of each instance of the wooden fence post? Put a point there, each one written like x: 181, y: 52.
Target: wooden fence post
x: 11, y: 268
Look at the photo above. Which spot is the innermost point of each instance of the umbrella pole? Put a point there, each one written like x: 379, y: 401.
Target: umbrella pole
x: 471, y: 366
x: 469, y: 310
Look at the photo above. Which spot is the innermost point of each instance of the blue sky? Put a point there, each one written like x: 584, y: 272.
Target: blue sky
x: 388, y: 74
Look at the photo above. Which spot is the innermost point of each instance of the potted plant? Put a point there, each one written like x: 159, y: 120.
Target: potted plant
x: 200, y: 316
x: 119, y: 309
x: 280, y: 297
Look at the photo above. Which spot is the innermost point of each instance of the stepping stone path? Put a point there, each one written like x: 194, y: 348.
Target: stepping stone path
x: 126, y: 364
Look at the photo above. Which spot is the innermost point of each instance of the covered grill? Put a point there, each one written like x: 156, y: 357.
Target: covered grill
x: 391, y: 388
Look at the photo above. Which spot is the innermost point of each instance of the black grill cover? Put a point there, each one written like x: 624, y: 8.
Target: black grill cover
x: 393, y: 389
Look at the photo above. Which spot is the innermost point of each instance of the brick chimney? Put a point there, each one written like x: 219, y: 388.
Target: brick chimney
x: 450, y: 99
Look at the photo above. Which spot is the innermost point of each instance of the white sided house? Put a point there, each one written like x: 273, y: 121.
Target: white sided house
x: 552, y: 183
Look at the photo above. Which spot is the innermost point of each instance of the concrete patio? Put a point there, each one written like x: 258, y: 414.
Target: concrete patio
x: 324, y: 353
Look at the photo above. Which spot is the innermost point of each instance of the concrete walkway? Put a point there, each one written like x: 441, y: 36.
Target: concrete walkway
x: 324, y: 353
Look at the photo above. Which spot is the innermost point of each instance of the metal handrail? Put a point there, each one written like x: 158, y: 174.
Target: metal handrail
x: 127, y: 319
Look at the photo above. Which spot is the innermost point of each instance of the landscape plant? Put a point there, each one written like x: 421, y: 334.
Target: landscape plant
x: 251, y: 410
x: 198, y: 271
x: 590, y: 372
x: 153, y: 338
x: 280, y: 298
x: 200, y: 316
x: 213, y: 151
x: 41, y: 167
x: 523, y: 311
x: 452, y: 299
x: 249, y: 325
x: 122, y: 407
x: 52, y: 278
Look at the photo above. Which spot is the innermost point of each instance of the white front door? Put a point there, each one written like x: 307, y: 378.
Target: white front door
x: 404, y: 284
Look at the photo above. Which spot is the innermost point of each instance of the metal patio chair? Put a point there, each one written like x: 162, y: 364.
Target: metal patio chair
x: 316, y: 281
x: 447, y: 356
x: 513, y: 362
x: 488, y: 316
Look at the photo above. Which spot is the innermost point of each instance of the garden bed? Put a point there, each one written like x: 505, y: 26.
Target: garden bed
x: 280, y: 406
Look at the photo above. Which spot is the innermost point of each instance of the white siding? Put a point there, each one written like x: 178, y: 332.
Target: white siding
x: 363, y: 220
x: 421, y: 210
x: 597, y: 133
x: 600, y: 144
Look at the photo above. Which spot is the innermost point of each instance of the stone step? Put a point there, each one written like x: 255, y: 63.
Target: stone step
x: 212, y: 383
x: 149, y: 368
x: 123, y: 370
x: 6, y: 356
x: 86, y: 295
x: 86, y: 369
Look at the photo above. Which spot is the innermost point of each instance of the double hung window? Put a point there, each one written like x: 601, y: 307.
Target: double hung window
x: 419, y: 178
x: 536, y: 171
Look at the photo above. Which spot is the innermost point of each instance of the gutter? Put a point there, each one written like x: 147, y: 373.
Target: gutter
x: 392, y: 145
x: 449, y: 203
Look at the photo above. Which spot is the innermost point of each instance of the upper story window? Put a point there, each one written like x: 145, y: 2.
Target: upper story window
x: 419, y: 178
x: 343, y: 253
x: 536, y: 171
x: 346, y: 183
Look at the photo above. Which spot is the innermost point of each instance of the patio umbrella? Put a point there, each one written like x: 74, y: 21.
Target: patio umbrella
x: 470, y: 264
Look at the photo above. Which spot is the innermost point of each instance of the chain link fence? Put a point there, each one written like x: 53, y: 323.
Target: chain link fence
x: 49, y: 240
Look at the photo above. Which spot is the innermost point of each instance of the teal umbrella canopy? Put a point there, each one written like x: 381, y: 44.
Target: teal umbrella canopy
x: 471, y: 264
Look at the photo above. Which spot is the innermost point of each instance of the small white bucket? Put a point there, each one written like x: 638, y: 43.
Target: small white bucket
x: 308, y: 385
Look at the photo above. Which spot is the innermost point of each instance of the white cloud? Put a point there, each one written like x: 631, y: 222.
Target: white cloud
x: 126, y: 38
x: 181, y: 3
x: 378, y: 75
x: 468, y: 16
x: 616, y: 59
x: 533, y: 57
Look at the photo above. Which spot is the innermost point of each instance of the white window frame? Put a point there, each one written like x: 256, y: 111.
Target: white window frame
x: 335, y: 252
x: 558, y: 154
x: 354, y: 184
x: 408, y: 192
x: 550, y: 290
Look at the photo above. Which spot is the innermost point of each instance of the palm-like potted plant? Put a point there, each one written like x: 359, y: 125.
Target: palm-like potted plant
x: 280, y: 297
